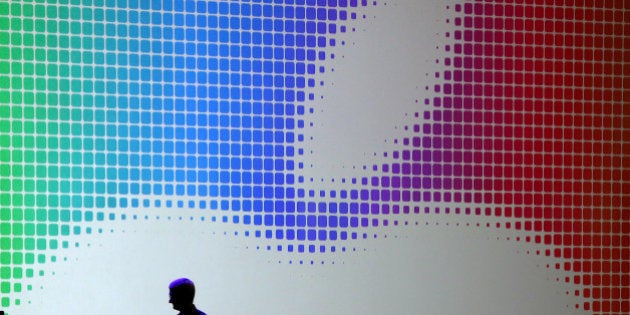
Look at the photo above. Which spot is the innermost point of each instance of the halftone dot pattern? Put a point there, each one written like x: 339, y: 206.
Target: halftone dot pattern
x: 531, y: 120
x: 126, y: 104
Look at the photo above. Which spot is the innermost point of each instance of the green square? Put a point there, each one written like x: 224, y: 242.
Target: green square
x: 5, y: 229
x: 29, y: 84
x: 18, y: 243
x: 16, y: 40
x: 29, y: 113
x: 52, y: 57
x: 5, y: 170
x: 17, y: 273
x: 28, y: 25
x: 5, y: 142
x: 52, y: 128
x: 64, y: 41
x: 52, y: 12
x: 53, y: 99
x: 53, y: 69
x: 40, y: 112
x: 5, y: 82
x: 5, y: 52
x: 64, y: 84
x: 29, y: 258
x: 40, y: 84
x: 40, y: 40
x: 40, y: 11
x: 16, y: 52
x: 28, y: 40
x: 5, y: 97
x: 53, y: 115
x: 18, y: 199
x: 40, y: 99
x: 16, y: 113
x: 29, y: 69
x: 53, y: 172
x: 17, y: 214
x: 5, y: 243
x: 5, y: 185
x: 41, y: 243
x: 18, y: 229
x: 51, y: 41
x: 17, y: 141
x: 40, y: 141
x: 53, y: 198
x: 41, y: 230
x: 63, y: 12
x: 16, y: 68
x: 29, y: 200
x: 41, y: 200
x: 41, y: 215
x: 29, y: 230
x: 16, y: 24
x: 40, y: 55
x: 87, y: 30
x: 5, y: 286
x: 18, y: 258
x: 75, y: 13
x: 16, y: 9
x: 29, y: 243
x: 27, y: 10
x: 75, y: 29
x: 64, y: 99
x: 5, y: 259
x: 40, y: 68
x: 64, y: 143
x: 40, y: 26
x: 4, y: 8
x: 76, y: 73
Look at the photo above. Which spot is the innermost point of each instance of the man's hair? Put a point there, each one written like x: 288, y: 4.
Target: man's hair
x: 183, y: 289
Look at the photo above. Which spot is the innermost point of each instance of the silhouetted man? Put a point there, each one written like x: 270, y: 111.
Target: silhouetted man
x: 182, y: 294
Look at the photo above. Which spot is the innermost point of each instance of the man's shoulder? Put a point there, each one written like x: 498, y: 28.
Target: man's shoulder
x: 199, y: 312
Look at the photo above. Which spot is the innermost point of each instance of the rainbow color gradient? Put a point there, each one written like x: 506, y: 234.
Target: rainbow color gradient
x: 110, y: 106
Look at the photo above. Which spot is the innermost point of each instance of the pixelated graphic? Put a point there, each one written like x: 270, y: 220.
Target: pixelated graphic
x: 533, y: 119
x: 110, y: 107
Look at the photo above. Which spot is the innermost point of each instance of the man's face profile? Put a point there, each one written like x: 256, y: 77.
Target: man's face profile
x: 174, y: 299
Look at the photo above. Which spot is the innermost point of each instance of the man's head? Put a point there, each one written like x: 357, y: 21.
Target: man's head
x: 182, y: 293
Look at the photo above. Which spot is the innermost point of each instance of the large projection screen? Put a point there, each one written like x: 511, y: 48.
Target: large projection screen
x: 315, y: 156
